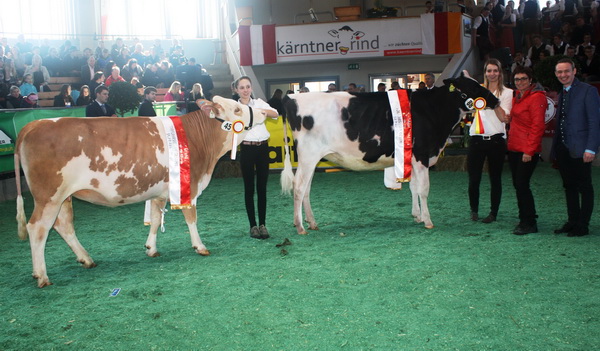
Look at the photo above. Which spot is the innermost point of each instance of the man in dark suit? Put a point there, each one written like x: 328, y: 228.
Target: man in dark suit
x: 88, y: 70
x: 575, y: 144
x: 147, y: 108
x: 99, y: 107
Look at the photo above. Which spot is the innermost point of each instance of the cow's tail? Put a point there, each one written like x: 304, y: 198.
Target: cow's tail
x: 21, y: 219
x: 287, y: 175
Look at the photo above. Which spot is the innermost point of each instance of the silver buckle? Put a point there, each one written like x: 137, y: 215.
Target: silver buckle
x: 486, y: 137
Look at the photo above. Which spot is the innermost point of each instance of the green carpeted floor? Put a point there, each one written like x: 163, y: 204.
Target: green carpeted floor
x: 370, y: 279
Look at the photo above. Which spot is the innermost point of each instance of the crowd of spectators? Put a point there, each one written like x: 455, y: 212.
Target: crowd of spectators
x: 567, y: 27
x: 26, y: 69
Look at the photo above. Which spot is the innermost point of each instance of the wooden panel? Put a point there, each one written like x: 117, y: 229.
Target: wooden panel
x: 64, y: 80
x: 46, y: 103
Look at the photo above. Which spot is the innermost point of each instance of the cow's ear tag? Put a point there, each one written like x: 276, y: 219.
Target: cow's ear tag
x: 226, y: 126
x: 212, y: 114
x: 469, y: 103
x: 452, y: 88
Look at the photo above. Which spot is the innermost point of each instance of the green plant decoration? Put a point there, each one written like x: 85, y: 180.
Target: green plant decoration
x: 123, y: 97
x: 544, y: 72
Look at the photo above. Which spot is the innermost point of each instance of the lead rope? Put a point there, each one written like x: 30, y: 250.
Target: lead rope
x: 162, y: 219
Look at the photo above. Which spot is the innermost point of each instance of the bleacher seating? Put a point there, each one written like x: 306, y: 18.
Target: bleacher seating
x: 55, y: 83
x: 46, y: 99
x: 160, y: 94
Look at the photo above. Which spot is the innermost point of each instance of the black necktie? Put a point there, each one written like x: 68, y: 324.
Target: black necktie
x: 563, y: 115
x: 103, y: 109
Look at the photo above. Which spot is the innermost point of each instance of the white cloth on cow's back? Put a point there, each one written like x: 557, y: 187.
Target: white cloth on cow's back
x: 258, y: 132
x: 491, y: 123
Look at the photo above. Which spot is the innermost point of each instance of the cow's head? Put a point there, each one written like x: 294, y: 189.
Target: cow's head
x: 468, y: 90
x: 231, y: 113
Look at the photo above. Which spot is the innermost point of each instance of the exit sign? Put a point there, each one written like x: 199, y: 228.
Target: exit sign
x: 353, y: 66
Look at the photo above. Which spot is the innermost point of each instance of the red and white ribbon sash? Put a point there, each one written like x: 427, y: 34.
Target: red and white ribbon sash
x: 400, y: 107
x: 179, y: 163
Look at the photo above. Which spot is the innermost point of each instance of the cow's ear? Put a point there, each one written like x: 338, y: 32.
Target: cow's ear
x: 465, y: 73
x: 207, y: 107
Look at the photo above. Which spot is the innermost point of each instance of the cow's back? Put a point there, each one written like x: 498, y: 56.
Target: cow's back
x: 116, y: 157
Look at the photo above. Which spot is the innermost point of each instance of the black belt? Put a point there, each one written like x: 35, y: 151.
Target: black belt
x: 255, y: 143
x: 488, y: 137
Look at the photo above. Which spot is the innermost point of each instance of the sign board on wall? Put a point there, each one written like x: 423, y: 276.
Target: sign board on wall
x: 326, y: 41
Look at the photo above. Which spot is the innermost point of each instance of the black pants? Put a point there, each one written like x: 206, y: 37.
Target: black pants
x: 494, y: 150
x: 577, y: 181
x: 521, y: 177
x: 254, y: 159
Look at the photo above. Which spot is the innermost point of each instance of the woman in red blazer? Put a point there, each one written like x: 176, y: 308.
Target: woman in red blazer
x: 525, y: 143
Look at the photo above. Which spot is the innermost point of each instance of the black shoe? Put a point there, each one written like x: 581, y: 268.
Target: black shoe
x: 523, y: 229
x: 264, y: 233
x: 474, y: 216
x: 566, y: 228
x: 254, y: 233
x: 579, y: 231
x: 489, y: 219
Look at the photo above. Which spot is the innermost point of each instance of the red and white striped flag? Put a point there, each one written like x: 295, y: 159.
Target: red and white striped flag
x: 257, y: 45
x: 441, y: 33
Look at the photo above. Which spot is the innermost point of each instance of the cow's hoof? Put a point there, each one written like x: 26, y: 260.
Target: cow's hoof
x: 91, y: 264
x: 303, y: 232
x: 203, y: 252
x: 430, y: 226
x: 315, y: 227
x: 42, y: 282
x: 153, y: 254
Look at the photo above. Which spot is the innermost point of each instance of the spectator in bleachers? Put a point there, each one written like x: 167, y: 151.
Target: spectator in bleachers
x: 115, y: 76
x: 4, y: 44
x: 29, y: 101
x: 158, y: 50
x: 174, y: 93
x: 136, y: 41
x: 395, y: 86
x: 559, y: 47
x: 123, y: 57
x: 103, y: 60
x: 65, y: 49
x: 97, y: 80
x: 571, y: 53
x: 531, y: 21
x: 10, y: 73
x: 569, y: 10
x: 85, y: 98
x: 14, y: 97
x: 506, y: 26
x: 131, y: 69
x: 116, y: 48
x: 72, y: 64
x: 154, y: 56
x: 194, y: 94
x: 206, y: 82
x: 480, y: 33
x: 99, y: 107
x: 382, y: 88
x: 138, y: 54
x: 107, y: 69
x: 87, y: 52
x: 590, y: 66
x: 165, y: 73
x: 17, y: 58
x: 88, y: 70
x: 587, y: 41
x: 28, y: 55
x: 534, y: 51
x: 580, y: 30
x: 150, y: 76
x: 39, y: 72
x: 64, y: 98
x: 520, y: 60
x: 27, y: 87
x: 193, y: 76
x: 53, y: 63
x: 175, y: 45
x: 175, y: 56
x: 23, y: 45
x: 99, y: 49
x: 428, y: 7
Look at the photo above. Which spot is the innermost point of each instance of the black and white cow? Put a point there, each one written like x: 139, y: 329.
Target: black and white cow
x: 356, y: 132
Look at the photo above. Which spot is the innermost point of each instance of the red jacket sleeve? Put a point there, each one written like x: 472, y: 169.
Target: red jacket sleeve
x: 538, y: 104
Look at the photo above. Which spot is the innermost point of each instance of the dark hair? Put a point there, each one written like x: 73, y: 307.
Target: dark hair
x: 97, y: 75
x: 523, y: 70
x: 237, y: 81
x: 150, y: 89
x: 566, y: 60
x: 100, y: 88
x: 64, y: 89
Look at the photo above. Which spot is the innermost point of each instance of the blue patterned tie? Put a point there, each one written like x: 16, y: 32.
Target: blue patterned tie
x: 563, y: 115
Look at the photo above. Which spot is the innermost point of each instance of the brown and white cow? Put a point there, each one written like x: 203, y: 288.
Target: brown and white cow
x: 356, y: 132
x: 114, y: 162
